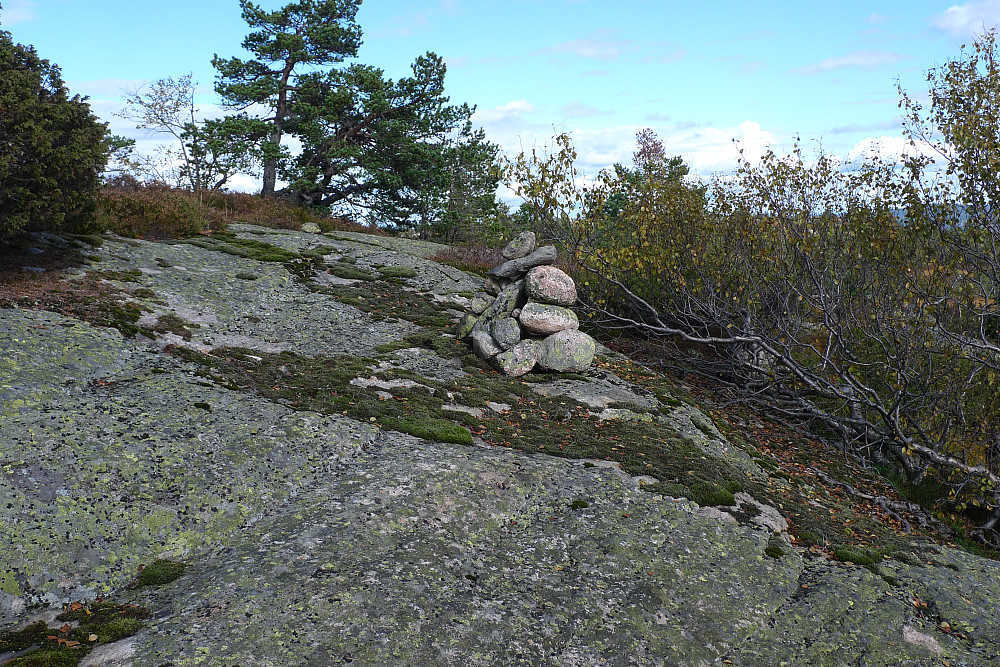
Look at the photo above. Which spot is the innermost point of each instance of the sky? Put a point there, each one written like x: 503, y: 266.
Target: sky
x: 699, y: 74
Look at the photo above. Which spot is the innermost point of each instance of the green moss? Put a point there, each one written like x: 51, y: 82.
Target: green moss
x: 438, y: 430
x: 711, y: 495
x: 810, y: 538
x: 162, y: 263
x: 204, y: 406
x: 160, y: 572
x: 349, y: 272
x: 869, y: 558
x: 579, y: 505
x: 774, y: 552
x: 243, y: 275
x: 144, y: 293
x: 107, y: 621
x: 93, y: 240
x: 398, y: 272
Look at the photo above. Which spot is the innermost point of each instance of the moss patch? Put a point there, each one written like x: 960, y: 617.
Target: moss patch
x: 99, y: 623
x: 160, y: 572
x: 398, y: 272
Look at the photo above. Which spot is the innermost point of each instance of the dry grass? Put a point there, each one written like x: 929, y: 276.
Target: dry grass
x: 475, y: 258
x: 156, y: 212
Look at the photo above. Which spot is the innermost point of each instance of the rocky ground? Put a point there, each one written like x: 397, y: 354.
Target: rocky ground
x: 291, y: 417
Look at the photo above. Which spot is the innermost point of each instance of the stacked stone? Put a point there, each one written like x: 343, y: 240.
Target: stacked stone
x: 523, y: 320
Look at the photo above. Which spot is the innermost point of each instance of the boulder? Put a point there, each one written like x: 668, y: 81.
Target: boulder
x: 510, y: 298
x: 515, y: 267
x: 484, y: 345
x: 544, y: 319
x: 519, y: 359
x: 466, y: 324
x: 492, y: 287
x: 523, y: 245
x: 547, y: 284
x: 567, y: 351
x: 480, y: 303
x: 507, y: 332
x: 311, y: 227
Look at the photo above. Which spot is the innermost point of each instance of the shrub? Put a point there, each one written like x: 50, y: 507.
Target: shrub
x: 52, y: 147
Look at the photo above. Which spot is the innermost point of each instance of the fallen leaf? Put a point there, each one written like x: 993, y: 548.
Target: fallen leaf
x: 92, y: 638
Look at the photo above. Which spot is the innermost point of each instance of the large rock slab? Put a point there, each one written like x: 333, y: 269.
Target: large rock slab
x: 548, y: 284
x: 544, y: 319
x: 516, y: 267
x: 567, y: 351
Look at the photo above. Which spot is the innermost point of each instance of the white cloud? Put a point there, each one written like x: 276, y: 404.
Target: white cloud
x: 597, y: 46
x: 888, y: 148
x: 580, y: 110
x: 862, y: 59
x: 968, y: 19
x: 18, y: 11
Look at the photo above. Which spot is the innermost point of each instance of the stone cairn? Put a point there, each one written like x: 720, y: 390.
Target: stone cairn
x: 523, y: 320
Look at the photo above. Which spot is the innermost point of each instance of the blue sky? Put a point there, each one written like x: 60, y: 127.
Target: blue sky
x: 700, y: 74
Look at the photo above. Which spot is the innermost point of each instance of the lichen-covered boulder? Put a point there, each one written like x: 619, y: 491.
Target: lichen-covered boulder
x: 511, y: 297
x: 466, y: 325
x: 523, y: 245
x: 544, y: 318
x: 492, y: 286
x: 567, y: 351
x: 547, y: 284
x: 516, y: 267
x: 507, y: 332
x: 311, y: 227
x: 519, y: 359
x: 479, y: 304
x: 484, y: 345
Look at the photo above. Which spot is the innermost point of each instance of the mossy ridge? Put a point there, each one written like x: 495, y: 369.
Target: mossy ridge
x: 560, y: 426
x: 385, y: 300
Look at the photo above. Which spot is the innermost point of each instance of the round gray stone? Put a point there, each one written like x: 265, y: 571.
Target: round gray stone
x: 507, y: 332
x: 567, y: 351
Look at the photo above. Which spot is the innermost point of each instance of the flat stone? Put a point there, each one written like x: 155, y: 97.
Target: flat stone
x: 507, y: 332
x: 521, y: 246
x: 456, y: 407
x: 499, y: 408
x: 567, y: 351
x: 484, y: 345
x: 515, y: 267
x: 519, y: 359
x: 544, y: 319
x: 548, y: 284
